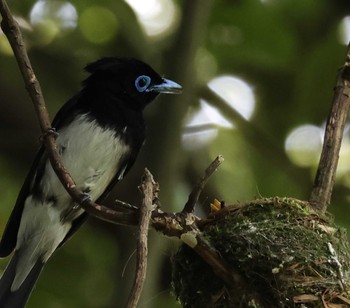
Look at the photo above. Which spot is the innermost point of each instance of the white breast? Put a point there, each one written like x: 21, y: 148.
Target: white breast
x: 92, y: 156
x: 90, y: 153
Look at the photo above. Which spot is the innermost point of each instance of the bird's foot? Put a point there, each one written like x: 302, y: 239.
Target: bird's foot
x: 50, y: 131
x: 84, y: 198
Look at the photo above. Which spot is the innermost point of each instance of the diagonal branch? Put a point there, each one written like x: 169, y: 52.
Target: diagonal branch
x: 194, y: 195
x: 325, y: 176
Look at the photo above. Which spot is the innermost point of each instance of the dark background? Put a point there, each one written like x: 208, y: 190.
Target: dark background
x: 281, y: 56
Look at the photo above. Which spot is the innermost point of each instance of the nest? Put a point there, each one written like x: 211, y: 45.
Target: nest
x: 285, y: 254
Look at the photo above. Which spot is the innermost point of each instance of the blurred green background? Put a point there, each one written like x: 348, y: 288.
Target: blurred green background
x: 258, y: 78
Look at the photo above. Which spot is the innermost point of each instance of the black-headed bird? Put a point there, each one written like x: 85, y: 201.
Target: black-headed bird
x: 100, y: 131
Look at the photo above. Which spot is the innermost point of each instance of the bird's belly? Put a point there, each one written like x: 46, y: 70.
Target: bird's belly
x: 92, y: 156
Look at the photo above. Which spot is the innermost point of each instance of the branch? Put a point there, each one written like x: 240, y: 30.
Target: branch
x: 325, y: 176
x: 194, y: 196
x: 150, y: 190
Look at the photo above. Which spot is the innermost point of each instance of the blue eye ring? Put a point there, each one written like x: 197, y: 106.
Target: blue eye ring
x: 142, y: 82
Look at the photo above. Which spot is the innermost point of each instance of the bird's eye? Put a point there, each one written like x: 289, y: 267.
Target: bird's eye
x: 142, y: 82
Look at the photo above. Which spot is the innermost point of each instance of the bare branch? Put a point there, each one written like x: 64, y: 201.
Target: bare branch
x: 197, y: 190
x: 148, y: 188
x: 325, y: 176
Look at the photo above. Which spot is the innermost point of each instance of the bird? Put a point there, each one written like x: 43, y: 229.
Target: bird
x: 99, y: 133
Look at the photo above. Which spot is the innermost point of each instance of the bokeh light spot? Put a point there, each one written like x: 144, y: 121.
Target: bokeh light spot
x: 155, y: 16
x: 50, y: 18
x: 236, y: 92
x: 98, y: 24
x: 197, y: 139
x: 201, y: 126
x: 62, y: 13
x: 207, y: 115
x: 303, y: 145
x: 344, y: 30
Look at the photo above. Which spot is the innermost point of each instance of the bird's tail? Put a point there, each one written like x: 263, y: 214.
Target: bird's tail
x: 10, y: 298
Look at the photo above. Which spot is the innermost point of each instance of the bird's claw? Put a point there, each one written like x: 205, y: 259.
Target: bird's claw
x: 70, y: 213
x: 84, y: 198
x: 50, y: 131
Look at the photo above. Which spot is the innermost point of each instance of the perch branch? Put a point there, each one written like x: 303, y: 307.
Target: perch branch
x: 194, y: 195
x: 325, y: 175
x: 148, y: 188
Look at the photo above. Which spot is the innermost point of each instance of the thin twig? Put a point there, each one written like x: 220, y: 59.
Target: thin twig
x: 147, y: 187
x: 194, y: 195
x: 325, y: 176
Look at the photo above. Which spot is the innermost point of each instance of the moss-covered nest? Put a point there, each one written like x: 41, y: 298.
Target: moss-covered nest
x: 285, y: 254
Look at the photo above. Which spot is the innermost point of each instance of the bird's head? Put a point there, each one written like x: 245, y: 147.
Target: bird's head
x: 129, y: 78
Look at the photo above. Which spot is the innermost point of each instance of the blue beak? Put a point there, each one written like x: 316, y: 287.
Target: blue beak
x: 167, y: 86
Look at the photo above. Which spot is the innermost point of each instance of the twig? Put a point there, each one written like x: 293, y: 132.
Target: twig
x: 325, y: 176
x: 194, y: 195
x: 148, y: 187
